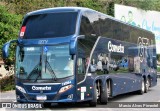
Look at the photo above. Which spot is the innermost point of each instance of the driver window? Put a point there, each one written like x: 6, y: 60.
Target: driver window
x: 80, y: 66
x: 80, y: 69
x: 81, y: 61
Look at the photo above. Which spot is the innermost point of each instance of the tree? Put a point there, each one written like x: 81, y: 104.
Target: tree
x: 9, y: 26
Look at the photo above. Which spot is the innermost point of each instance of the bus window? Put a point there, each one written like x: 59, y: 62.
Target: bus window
x: 106, y: 28
x: 86, y: 27
x: 84, y: 47
x: 94, y: 21
x: 81, y: 64
x: 50, y: 25
x: 117, y: 30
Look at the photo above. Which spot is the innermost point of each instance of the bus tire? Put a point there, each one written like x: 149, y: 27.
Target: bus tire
x: 142, y: 90
x: 104, y: 96
x: 93, y: 102
x: 146, y: 85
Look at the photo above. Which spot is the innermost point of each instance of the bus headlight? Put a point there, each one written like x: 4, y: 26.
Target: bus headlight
x: 65, y: 88
x: 20, y: 89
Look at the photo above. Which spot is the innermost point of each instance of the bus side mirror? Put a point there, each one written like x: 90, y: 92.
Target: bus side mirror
x: 73, y: 44
x: 5, y: 48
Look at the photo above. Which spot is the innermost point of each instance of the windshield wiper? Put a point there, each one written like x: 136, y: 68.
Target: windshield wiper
x: 37, y: 69
x: 48, y: 66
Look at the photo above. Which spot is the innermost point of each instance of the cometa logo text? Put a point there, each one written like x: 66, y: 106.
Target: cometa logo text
x: 41, y: 88
x: 115, y: 48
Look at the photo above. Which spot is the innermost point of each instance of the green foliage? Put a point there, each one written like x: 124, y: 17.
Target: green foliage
x: 106, y: 6
x: 93, y: 4
x: 158, y: 57
x: 9, y: 27
x: 158, y: 69
x: 22, y: 7
x: 7, y: 83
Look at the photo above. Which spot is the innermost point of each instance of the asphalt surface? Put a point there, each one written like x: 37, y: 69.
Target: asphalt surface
x: 152, y: 96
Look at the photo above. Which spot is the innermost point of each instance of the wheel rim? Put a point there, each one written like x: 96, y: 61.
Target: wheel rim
x: 108, y: 91
x: 97, y: 93
x: 147, y: 84
x: 143, y: 88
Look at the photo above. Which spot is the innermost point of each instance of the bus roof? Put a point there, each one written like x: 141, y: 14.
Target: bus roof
x: 58, y: 9
x: 78, y: 9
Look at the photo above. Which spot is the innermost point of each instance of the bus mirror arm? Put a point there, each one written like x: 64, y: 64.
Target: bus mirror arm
x: 5, y: 48
x: 73, y: 44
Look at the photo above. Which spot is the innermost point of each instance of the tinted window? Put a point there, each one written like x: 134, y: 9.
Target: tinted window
x: 117, y: 32
x: 106, y: 27
x: 94, y: 21
x: 86, y: 27
x: 84, y: 49
x: 50, y: 25
x: 125, y: 35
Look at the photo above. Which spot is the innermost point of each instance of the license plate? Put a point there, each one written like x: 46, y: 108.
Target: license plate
x: 41, y: 97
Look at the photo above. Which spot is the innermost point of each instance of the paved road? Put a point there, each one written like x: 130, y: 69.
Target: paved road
x: 152, y: 96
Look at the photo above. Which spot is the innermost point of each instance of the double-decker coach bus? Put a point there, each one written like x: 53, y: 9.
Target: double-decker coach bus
x: 73, y: 54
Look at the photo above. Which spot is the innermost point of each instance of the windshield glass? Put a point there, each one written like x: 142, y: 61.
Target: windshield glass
x: 49, y: 25
x: 45, y: 62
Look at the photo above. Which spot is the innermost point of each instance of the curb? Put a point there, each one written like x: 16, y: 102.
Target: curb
x: 6, y: 91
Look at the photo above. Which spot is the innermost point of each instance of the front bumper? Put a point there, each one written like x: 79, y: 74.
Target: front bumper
x: 52, y: 97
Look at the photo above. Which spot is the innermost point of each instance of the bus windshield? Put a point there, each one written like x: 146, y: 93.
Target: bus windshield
x: 43, y: 62
x: 50, y: 25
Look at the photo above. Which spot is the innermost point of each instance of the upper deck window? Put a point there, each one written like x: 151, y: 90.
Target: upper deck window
x: 50, y: 25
